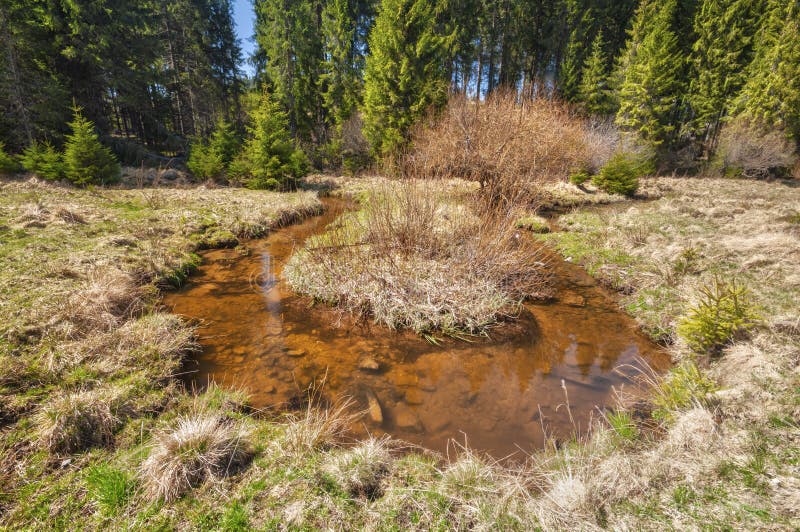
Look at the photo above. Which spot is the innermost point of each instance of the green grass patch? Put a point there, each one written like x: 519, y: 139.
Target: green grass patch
x: 683, y: 387
x: 112, y: 489
x: 623, y: 425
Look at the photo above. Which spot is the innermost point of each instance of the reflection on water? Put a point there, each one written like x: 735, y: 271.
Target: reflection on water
x: 497, y: 394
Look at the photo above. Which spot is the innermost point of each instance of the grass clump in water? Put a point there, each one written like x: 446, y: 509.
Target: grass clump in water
x: 623, y: 425
x: 412, y: 259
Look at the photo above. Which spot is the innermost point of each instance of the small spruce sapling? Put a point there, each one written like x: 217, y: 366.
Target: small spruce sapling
x: 723, y: 313
x: 43, y: 160
x: 7, y: 163
x: 86, y: 160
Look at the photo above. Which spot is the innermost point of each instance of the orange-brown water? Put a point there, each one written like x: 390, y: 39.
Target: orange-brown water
x: 497, y: 394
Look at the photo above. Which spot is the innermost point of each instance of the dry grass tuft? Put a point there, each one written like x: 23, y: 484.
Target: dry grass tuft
x: 75, y: 421
x: 69, y: 216
x: 156, y: 343
x: 360, y: 470
x: 318, y: 428
x: 414, y: 259
x: 201, y: 447
x: 108, y: 297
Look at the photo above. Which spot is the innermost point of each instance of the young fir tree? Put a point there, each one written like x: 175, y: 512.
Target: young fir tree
x: 7, y: 163
x: 770, y: 98
x: 595, y: 92
x: 43, y: 160
x: 86, y: 161
x: 210, y: 159
x: 405, y: 71
x: 718, y: 62
x: 269, y: 158
x: 651, y: 84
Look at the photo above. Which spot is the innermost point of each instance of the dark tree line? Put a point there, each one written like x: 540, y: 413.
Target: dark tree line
x: 673, y: 72
x: 153, y: 71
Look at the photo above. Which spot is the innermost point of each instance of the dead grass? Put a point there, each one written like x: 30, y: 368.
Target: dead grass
x: 200, y: 447
x: 361, y: 470
x: 74, y: 421
x: 410, y: 258
x: 318, y: 427
x: 108, y: 297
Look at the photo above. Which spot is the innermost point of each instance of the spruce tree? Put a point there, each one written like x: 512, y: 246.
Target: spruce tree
x: 579, y: 22
x: 269, y: 158
x: 595, y: 93
x: 651, y: 84
x: 405, y: 71
x: 718, y: 62
x: 86, y: 161
x: 210, y: 159
x: 770, y: 99
x: 343, y: 64
x: 288, y: 33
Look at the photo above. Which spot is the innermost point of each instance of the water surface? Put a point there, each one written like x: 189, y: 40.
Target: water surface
x: 496, y: 394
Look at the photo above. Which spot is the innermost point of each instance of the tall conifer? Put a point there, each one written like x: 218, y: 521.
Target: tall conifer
x: 595, y: 93
x: 771, y: 96
x: 724, y: 47
x: 651, y: 84
x: 405, y: 72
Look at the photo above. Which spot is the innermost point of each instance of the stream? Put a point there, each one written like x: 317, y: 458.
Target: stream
x: 497, y: 395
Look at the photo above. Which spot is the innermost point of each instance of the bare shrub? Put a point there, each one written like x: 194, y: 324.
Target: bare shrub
x: 202, y: 446
x: 603, y: 141
x: 414, y: 259
x: 75, y: 421
x: 506, y: 145
x: 749, y: 151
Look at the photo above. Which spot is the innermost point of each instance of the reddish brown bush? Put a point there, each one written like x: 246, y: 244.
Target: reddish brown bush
x: 507, y: 145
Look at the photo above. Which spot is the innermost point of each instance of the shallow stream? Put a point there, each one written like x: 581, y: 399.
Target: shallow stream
x: 497, y: 395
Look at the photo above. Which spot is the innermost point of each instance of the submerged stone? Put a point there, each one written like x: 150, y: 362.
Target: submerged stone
x: 405, y: 418
x: 374, y: 408
x: 573, y: 300
x: 369, y: 364
x: 414, y: 396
